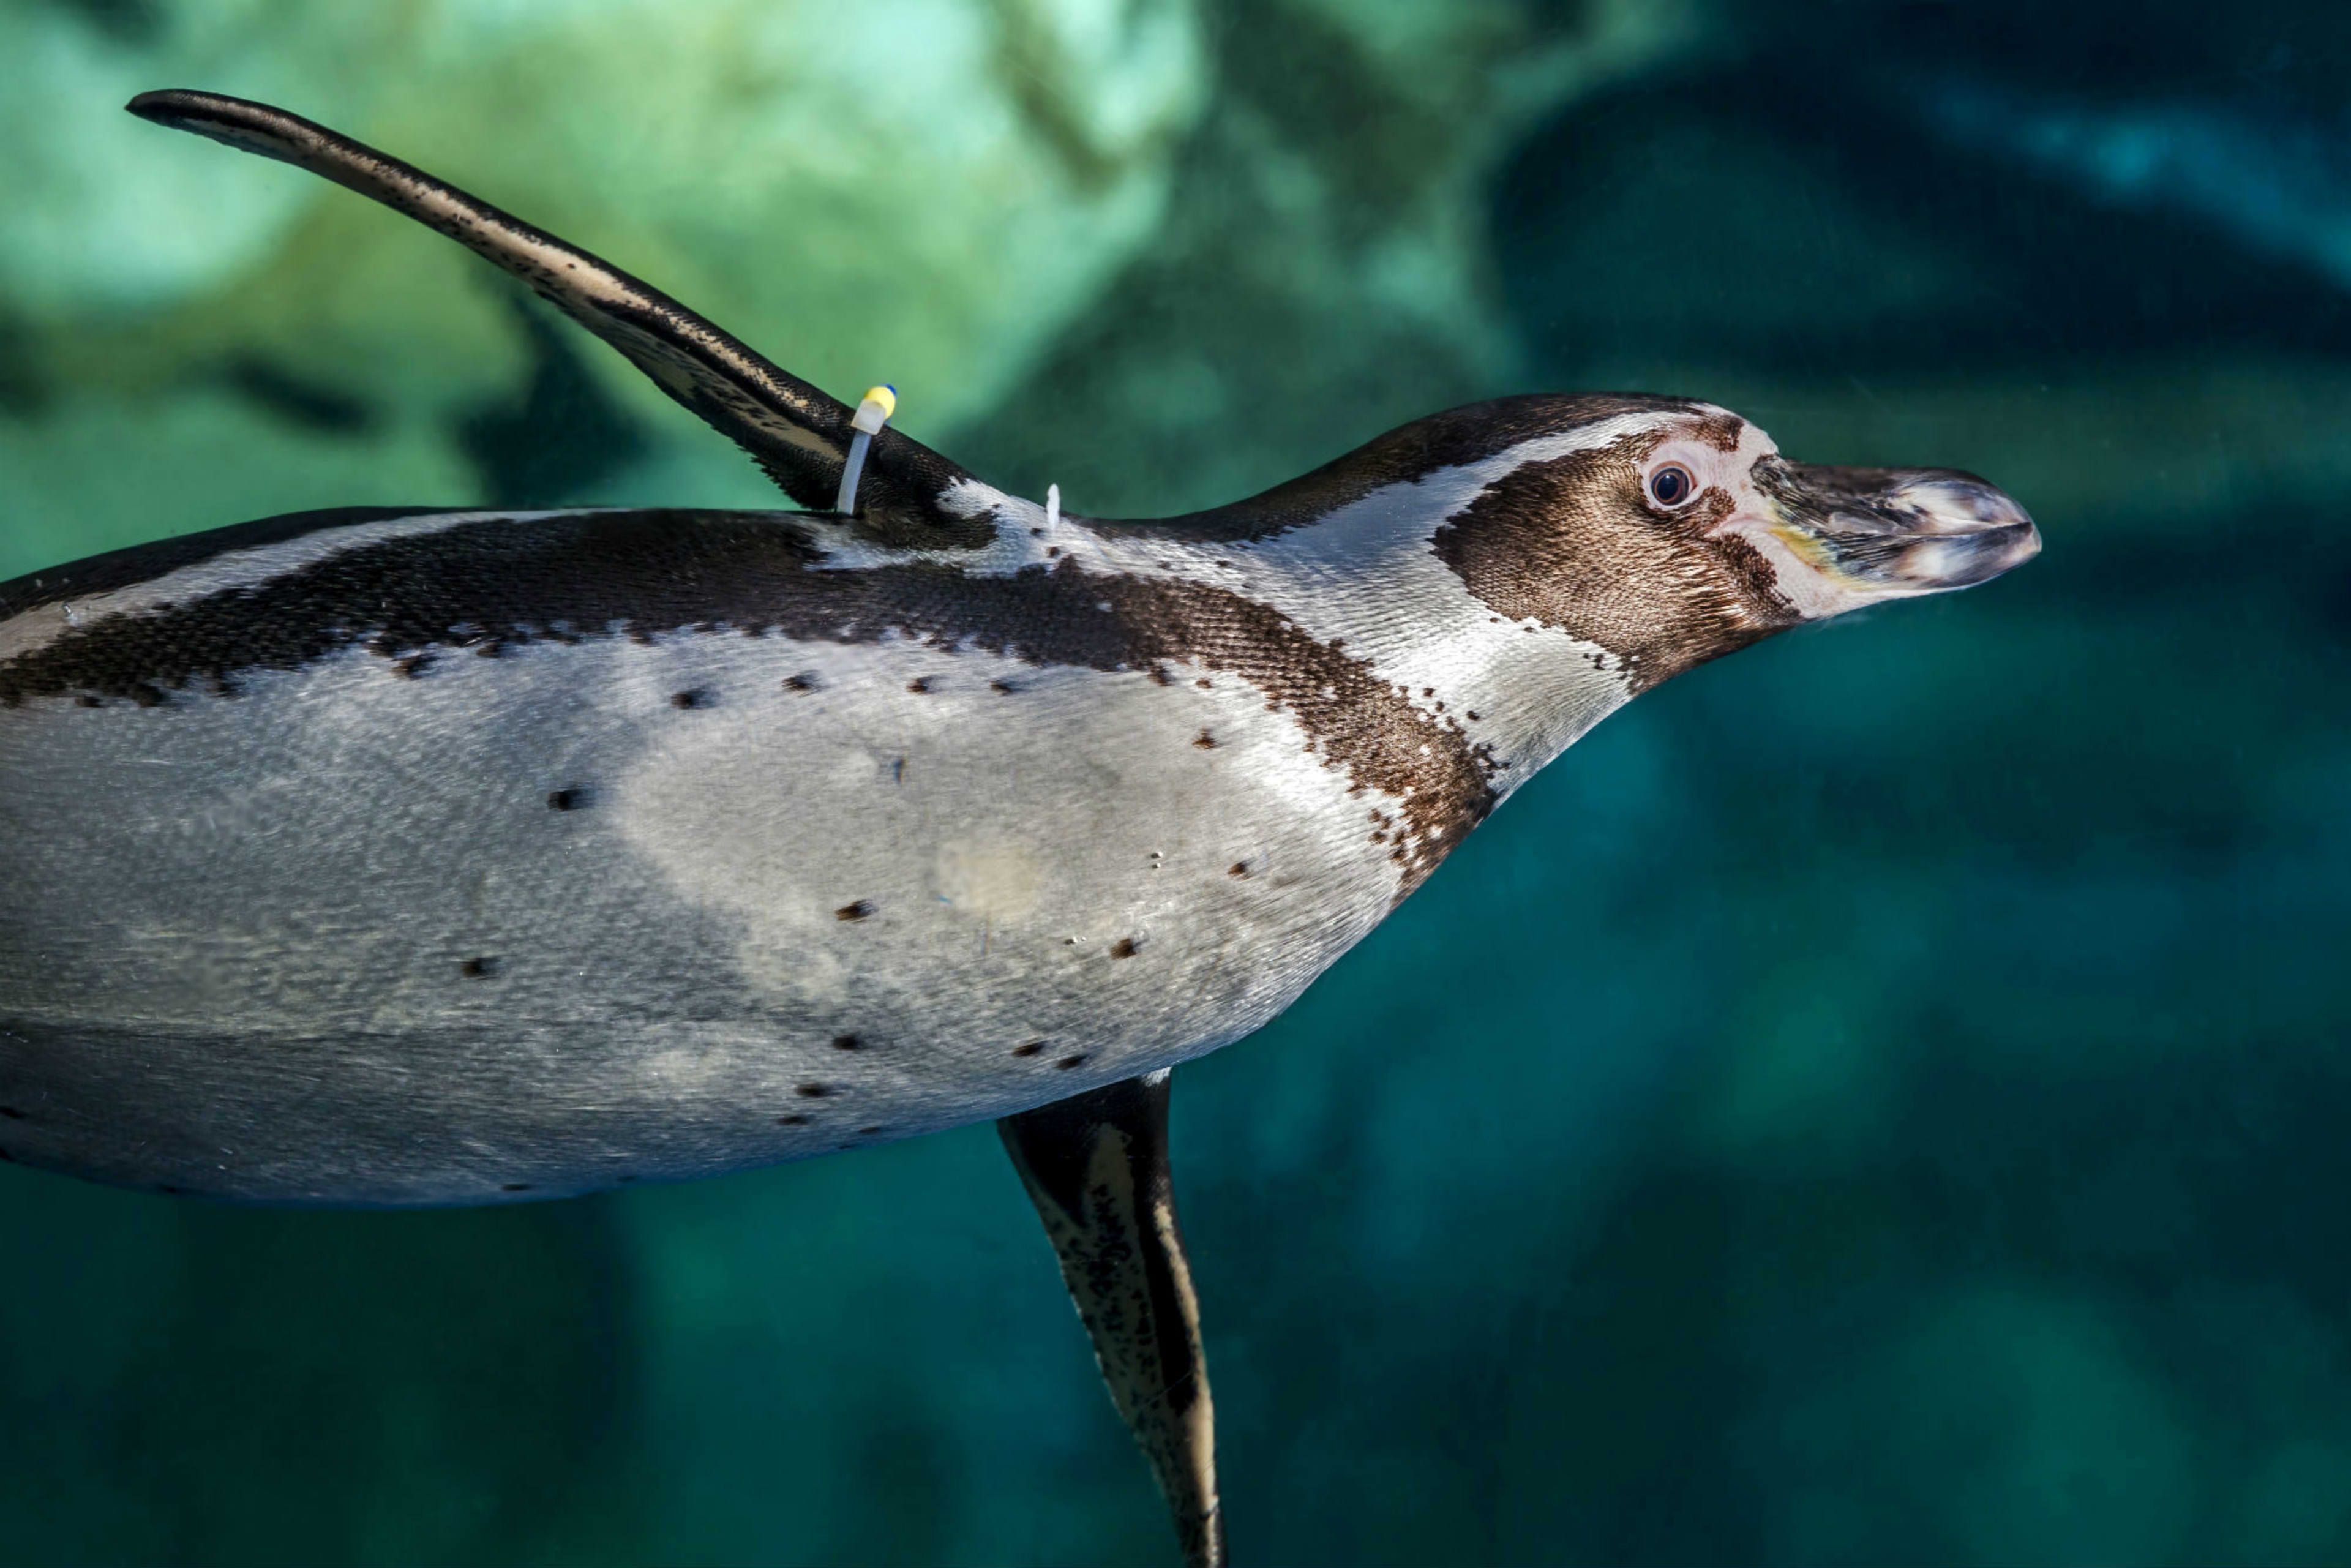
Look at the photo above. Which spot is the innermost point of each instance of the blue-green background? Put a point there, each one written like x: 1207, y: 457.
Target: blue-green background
x: 1880, y: 1098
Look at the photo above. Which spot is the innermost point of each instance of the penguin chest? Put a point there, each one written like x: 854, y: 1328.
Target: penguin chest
x: 608, y: 908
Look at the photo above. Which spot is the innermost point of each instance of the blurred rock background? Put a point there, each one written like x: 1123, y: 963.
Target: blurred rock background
x: 1881, y: 1098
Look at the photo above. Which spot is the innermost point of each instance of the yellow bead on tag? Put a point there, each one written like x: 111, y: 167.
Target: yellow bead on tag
x: 874, y: 409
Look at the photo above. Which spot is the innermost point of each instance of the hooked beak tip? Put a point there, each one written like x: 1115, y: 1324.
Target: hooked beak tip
x: 1919, y: 530
x: 1963, y: 559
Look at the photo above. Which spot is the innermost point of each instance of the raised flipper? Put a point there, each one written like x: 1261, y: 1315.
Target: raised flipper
x: 797, y: 433
x: 1096, y: 1168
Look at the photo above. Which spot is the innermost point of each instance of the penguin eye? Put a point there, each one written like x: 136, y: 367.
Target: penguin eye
x: 1671, y: 485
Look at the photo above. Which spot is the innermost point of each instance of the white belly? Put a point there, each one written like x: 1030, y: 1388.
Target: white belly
x: 328, y: 939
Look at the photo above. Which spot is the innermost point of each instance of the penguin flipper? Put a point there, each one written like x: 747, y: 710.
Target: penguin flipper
x: 1096, y: 1168
x: 798, y: 435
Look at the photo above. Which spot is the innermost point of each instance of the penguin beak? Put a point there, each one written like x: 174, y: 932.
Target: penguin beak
x: 1882, y: 532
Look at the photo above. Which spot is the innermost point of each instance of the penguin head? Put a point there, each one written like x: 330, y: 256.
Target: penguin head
x: 1670, y: 533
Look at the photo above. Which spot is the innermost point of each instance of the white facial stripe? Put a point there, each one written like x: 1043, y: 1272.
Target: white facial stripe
x: 38, y: 627
x: 1812, y: 590
x: 1710, y: 465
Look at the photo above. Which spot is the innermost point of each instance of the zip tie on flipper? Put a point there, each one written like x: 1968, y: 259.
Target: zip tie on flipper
x: 1052, y: 506
x: 873, y: 412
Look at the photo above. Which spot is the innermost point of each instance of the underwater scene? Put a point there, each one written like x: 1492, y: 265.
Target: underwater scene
x: 1881, y: 1097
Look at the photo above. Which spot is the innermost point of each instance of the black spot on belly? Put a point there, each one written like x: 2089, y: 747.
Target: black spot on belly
x: 1028, y: 1048
x: 479, y: 968
x: 1069, y: 1062
x: 813, y: 1091
x: 869, y: 1132
x: 799, y: 683
x: 1123, y: 947
x: 1205, y: 741
x: 690, y: 699
x: 626, y: 1175
x: 846, y: 1042
x: 1002, y: 688
x: 570, y: 799
x: 171, y: 1191
x: 919, y: 686
x: 857, y: 911
x: 516, y: 1186
x: 11, y: 1112
x: 795, y: 1120
x: 1238, y: 868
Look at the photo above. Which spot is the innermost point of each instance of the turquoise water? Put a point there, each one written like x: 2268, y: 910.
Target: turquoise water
x: 1879, y: 1098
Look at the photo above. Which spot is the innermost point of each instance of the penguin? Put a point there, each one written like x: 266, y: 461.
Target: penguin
x: 389, y: 856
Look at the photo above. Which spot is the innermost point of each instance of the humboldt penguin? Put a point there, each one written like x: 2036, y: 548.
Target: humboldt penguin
x: 393, y: 856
